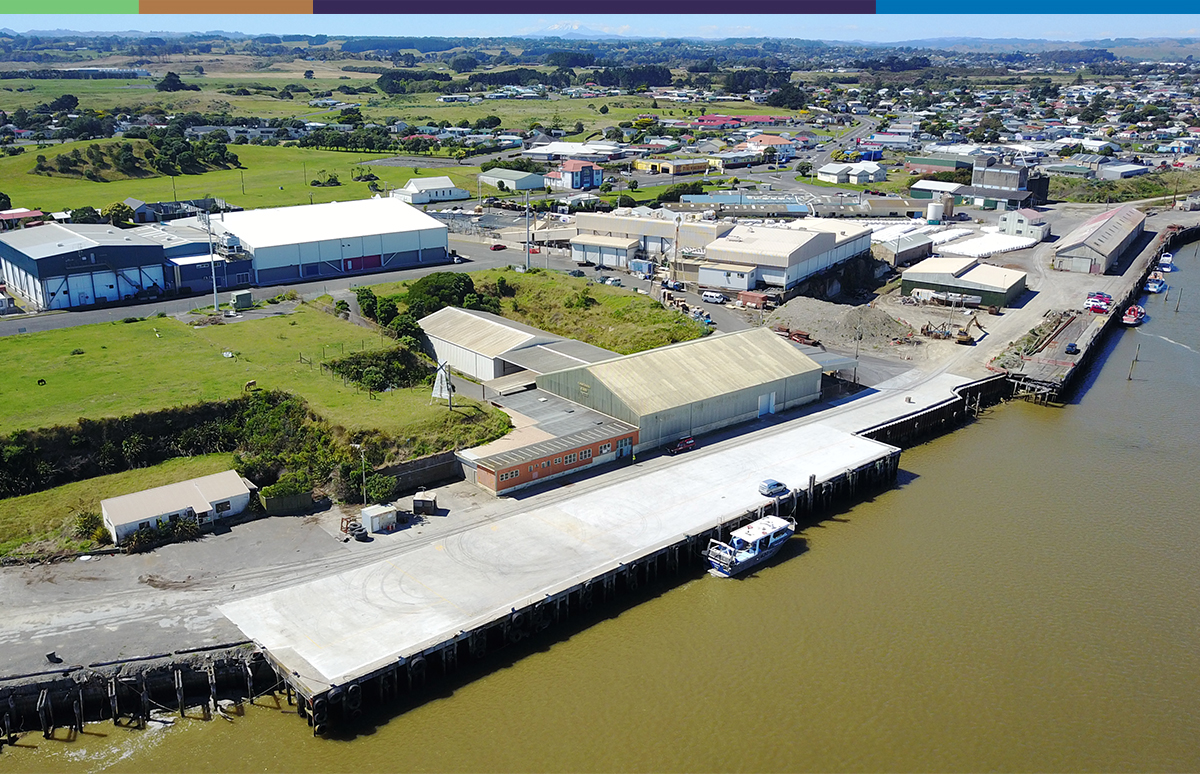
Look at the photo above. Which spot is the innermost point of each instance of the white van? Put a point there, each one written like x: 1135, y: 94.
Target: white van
x: 713, y: 297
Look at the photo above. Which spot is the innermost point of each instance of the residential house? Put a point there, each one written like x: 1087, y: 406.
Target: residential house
x: 575, y: 175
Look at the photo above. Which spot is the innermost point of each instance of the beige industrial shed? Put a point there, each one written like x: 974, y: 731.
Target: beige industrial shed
x: 654, y: 231
x: 690, y: 388
x: 784, y: 257
x: 995, y: 285
x: 205, y: 499
x: 1097, y: 244
x: 485, y: 346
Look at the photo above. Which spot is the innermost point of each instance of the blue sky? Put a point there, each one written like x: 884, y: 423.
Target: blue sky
x: 821, y: 27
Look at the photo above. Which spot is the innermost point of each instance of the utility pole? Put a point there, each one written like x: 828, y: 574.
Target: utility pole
x: 212, y: 261
x: 671, y: 272
x: 243, y: 175
x: 526, y: 230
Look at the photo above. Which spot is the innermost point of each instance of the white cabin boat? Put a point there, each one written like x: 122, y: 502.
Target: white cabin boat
x: 1166, y: 262
x: 749, y: 546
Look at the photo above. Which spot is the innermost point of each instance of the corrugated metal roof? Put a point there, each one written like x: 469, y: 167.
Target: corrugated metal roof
x: 1104, y: 232
x: 172, y: 234
x: 197, y: 494
x: 951, y: 266
x: 988, y: 276
x: 621, y: 243
x: 55, y: 239
x: 429, y: 183
x: 481, y: 332
x: 557, y: 356
x: 511, y: 175
x: 768, y: 246
x: 661, y: 379
x: 937, y: 185
x: 325, y: 222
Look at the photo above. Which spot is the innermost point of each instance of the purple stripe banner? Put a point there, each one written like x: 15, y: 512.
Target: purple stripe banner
x: 691, y: 7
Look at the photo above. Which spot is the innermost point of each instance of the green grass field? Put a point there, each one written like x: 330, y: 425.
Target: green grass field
x: 272, y: 177
x: 897, y: 182
x: 127, y: 368
x: 620, y: 319
x: 223, y: 72
x: 46, y: 517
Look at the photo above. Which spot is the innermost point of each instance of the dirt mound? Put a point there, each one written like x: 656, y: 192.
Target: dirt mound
x: 838, y: 325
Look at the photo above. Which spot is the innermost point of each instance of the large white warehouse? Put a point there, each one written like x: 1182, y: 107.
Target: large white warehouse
x: 320, y: 240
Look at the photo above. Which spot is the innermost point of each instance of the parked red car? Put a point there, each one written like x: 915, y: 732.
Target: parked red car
x: 497, y: 247
x: 682, y: 445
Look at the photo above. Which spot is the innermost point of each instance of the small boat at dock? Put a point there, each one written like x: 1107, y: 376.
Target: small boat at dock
x: 1166, y: 262
x: 1156, y: 282
x: 748, y: 546
x: 1134, y: 315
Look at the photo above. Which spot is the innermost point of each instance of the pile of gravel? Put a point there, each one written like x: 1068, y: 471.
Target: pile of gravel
x: 837, y: 325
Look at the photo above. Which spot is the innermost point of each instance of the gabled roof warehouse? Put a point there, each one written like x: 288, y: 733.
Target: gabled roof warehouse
x: 478, y: 344
x: 993, y: 284
x: 689, y: 388
x: 1097, y: 244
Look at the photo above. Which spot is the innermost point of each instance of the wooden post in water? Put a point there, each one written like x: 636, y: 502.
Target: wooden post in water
x: 1178, y: 298
x: 1135, y: 359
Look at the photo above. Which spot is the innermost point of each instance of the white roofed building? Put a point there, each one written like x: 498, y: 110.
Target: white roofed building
x: 1025, y: 223
x: 338, y: 238
x: 205, y: 499
x: 427, y: 190
x: 486, y: 346
x: 859, y: 173
x: 782, y: 257
x: 996, y: 286
x: 560, y: 150
x: 512, y: 179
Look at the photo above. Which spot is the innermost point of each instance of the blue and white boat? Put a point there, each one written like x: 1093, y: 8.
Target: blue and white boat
x: 1157, y: 283
x: 1166, y: 262
x: 749, y: 546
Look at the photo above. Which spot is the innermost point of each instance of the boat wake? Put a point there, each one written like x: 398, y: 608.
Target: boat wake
x: 1172, y: 341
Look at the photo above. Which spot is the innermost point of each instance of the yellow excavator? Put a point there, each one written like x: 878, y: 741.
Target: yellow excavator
x: 964, y: 333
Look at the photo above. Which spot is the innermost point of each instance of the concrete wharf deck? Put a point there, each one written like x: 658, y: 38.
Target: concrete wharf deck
x: 368, y: 622
x: 1049, y: 371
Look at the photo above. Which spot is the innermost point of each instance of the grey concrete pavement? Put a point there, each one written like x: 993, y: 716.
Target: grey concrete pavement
x: 123, y: 606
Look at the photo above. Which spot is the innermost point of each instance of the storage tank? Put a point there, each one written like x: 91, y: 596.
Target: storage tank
x: 933, y: 213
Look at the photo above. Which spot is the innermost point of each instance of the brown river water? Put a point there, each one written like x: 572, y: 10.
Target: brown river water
x: 1025, y: 600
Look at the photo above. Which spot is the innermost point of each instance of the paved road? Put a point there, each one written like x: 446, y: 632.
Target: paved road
x: 478, y: 257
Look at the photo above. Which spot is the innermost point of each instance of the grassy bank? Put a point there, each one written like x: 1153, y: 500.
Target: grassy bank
x: 613, y: 318
x: 126, y: 368
x: 46, y: 517
x: 1071, y: 189
x: 270, y: 177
